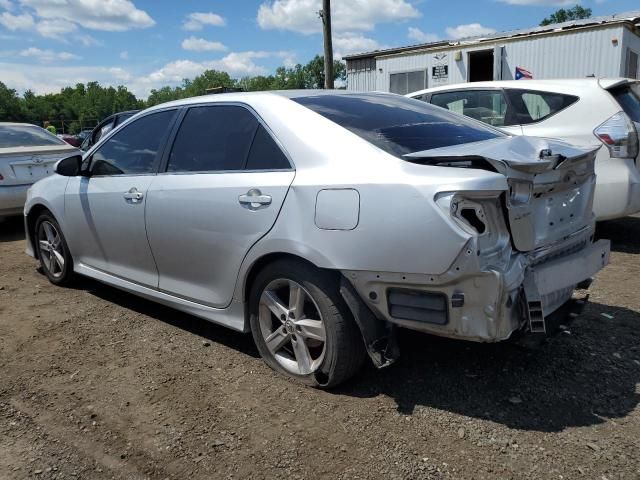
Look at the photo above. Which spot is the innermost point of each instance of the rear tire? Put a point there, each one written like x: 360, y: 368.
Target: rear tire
x: 313, y: 338
x: 52, y: 249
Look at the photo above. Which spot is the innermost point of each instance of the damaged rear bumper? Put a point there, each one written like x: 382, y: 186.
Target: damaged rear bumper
x: 484, y: 306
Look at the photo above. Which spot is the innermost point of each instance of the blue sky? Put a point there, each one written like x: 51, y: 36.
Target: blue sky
x: 145, y: 44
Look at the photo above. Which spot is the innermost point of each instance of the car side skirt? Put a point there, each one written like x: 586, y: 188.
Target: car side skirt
x: 231, y: 317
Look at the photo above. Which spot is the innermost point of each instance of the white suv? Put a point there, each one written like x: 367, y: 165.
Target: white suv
x: 578, y: 111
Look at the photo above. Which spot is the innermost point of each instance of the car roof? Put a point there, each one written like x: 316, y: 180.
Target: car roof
x: 248, y: 97
x: 560, y: 84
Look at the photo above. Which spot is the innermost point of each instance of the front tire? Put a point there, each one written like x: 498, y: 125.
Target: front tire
x: 302, y: 327
x: 53, y: 252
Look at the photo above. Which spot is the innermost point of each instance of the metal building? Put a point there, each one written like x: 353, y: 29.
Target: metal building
x: 601, y: 46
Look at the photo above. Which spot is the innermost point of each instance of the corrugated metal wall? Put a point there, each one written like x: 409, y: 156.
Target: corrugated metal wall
x: 568, y: 55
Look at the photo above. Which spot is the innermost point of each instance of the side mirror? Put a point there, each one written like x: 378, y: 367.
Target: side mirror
x: 69, y: 166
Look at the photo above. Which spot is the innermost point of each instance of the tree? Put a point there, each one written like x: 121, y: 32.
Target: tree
x: 562, y: 15
x: 314, y: 72
x: 10, y: 105
x: 82, y: 106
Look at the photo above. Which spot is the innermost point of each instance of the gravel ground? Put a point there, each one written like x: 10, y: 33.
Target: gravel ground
x: 96, y: 383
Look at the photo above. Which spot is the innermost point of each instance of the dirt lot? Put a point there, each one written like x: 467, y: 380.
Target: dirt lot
x: 96, y: 383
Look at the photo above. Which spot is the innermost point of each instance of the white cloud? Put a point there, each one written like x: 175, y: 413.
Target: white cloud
x: 16, y: 22
x: 6, y: 4
x: 47, y: 55
x: 236, y: 64
x: 347, y: 43
x: 544, y: 3
x: 421, y: 37
x: 55, y: 28
x: 109, y: 15
x: 468, y: 30
x: 124, y: 55
x: 87, y: 40
x: 197, y: 21
x: 202, y: 45
x: 120, y: 74
x: 51, y: 78
x: 355, y: 15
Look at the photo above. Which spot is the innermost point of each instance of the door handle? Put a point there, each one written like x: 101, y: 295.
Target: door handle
x: 254, y: 199
x: 134, y: 195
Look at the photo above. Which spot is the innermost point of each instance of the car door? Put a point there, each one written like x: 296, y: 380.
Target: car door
x: 104, y: 211
x: 226, y: 178
x: 486, y: 105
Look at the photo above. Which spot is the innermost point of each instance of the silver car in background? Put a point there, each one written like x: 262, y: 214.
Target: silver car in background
x: 27, y: 154
x: 321, y: 221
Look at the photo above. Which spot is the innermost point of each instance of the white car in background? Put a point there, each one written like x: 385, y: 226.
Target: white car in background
x: 577, y: 111
x: 27, y: 154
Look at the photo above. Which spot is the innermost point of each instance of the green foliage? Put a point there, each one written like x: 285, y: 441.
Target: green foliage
x: 562, y: 15
x: 83, y: 106
x: 10, y: 105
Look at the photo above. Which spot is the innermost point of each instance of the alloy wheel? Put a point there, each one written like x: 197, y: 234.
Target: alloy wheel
x: 292, y: 326
x: 51, y: 250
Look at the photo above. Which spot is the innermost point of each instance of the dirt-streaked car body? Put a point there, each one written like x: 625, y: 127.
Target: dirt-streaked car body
x: 316, y: 219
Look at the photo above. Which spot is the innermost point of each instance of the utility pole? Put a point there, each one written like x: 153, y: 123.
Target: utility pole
x: 325, y: 15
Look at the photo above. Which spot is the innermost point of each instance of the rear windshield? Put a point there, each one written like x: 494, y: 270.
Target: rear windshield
x: 26, y: 136
x: 628, y: 97
x: 398, y: 125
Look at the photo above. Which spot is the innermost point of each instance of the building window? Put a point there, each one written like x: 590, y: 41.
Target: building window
x: 407, y: 82
x: 632, y: 64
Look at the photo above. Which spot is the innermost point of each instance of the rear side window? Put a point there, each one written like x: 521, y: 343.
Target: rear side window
x: 26, y: 136
x: 213, y: 138
x: 134, y: 149
x: 397, y: 125
x: 488, y: 106
x: 628, y: 97
x: 265, y: 153
x: 533, y: 106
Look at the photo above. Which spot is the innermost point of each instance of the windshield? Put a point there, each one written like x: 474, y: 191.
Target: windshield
x: 397, y: 125
x: 26, y: 136
x: 629, y: 99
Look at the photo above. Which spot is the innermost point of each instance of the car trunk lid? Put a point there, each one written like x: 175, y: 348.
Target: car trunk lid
x: 27, y: 165
x: 551, y: 184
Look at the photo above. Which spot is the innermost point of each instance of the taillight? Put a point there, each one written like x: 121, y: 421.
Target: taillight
x: 619, y: 135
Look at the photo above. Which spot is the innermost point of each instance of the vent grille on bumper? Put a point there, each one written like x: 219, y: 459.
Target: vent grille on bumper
x: 418, y: 306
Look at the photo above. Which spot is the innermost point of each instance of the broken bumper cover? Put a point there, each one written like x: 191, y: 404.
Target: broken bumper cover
x: 485, y: 306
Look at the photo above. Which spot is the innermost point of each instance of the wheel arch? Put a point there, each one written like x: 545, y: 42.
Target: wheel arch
x: 262, y: 262
x: 378, y: 336
x: 30, y: 224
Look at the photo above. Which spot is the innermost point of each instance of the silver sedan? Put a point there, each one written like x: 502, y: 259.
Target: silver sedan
x: 322, y: 221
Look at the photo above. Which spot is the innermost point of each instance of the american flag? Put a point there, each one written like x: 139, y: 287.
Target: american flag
x: 522, y: 73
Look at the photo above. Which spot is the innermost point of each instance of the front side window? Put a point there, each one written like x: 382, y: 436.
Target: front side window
x: 488, y: 106
x: 26, y: 136
x: 213, y: 138
x: 532, y: 106
x: 397, y: 125
x: 134, y: 149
